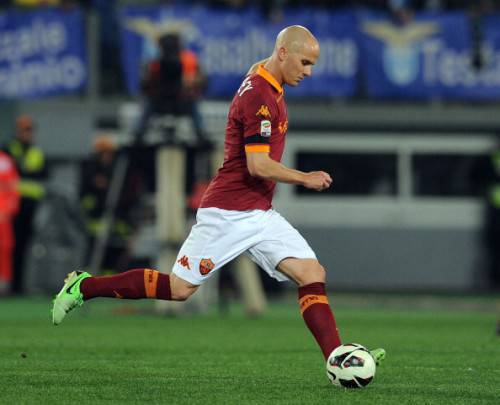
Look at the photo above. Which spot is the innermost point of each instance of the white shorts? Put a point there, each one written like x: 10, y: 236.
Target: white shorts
x: 220, y: 236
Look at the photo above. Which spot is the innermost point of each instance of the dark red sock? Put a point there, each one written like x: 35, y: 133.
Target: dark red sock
x: 319, y: 317
x: 132, y: 284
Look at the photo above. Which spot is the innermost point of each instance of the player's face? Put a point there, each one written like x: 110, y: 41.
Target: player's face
x: 25, y: 135
x: 298, y: 65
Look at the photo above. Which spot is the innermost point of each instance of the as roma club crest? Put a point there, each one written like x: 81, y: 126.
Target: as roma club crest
x: 206, y: 266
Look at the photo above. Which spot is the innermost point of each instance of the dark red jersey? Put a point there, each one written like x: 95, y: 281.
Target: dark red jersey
x: 257, y: 122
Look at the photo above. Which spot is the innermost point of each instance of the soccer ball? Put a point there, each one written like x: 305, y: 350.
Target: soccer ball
x: 351, y: 366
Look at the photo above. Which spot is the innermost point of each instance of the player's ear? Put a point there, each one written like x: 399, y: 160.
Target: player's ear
x: 282, y: 53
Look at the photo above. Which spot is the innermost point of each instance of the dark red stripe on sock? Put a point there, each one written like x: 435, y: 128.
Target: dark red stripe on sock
x: 318, y: 316
x: 132, y: 284
x: 163, y: 291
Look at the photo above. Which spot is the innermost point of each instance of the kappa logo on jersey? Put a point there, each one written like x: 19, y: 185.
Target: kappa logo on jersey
x: 283, y: 127
x: 184, y: 262
x: 206, y: 266
x: 265, y: 128
x: 263, y: 111
x: 245, y: 86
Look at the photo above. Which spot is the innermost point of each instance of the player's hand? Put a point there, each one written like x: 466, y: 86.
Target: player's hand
x: 317, y: 180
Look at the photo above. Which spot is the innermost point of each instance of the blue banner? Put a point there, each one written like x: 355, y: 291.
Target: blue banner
x: 229, y: 42
x: 431, y: 57
x: 41, y: 53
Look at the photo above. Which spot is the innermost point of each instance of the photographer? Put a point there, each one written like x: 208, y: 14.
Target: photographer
x: 161, y: 83
x: 172, y: 85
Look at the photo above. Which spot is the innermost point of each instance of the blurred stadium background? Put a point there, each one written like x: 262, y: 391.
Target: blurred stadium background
x: 402, y: 109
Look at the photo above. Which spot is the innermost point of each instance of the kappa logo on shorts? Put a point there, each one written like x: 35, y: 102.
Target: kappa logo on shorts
x: 184, y: 262
x: 206, y: 266
x: 263, y: 111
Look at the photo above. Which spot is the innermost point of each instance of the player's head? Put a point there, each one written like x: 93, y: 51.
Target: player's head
x: 104, y: 146
x: 296, y: 51
x: 24, y: 129
x: 170, y: 45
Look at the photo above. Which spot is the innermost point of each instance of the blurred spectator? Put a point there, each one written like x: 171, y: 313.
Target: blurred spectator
x: 36, y: 3
x: 477, y: 11
x: 433, y: 5
x: 172, y: 85
x: 229, y: 3
x: 30, y: 163
x: 109, y: 45
x: 9, y: 204
x: 272, y: 9
x: 194, y: 83
x: 492, y: 227
x: 401, y: 11
x: 96, y: 178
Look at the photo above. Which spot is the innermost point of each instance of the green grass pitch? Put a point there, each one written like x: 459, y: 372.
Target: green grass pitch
x: 104, y: 355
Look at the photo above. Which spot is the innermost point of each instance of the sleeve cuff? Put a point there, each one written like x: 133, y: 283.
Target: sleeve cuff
x: 257, y: 148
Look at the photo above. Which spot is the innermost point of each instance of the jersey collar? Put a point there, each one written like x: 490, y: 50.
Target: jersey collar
x: 261, y: 71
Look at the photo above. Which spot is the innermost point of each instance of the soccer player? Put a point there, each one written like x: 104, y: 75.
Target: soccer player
x: 236, y: 213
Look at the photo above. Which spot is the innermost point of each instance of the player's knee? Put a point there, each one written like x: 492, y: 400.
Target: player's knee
x: 314, y: 273
x: 180, y: 289
x: 317, y: 273
x: 182, y: 294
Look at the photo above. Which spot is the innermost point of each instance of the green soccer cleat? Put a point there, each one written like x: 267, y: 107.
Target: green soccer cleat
x: 69, y: 297
x: 378, y: 355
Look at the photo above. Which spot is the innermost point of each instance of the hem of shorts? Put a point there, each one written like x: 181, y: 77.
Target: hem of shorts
x: 236, y: 208
x: 275, y: 265
x: 181, y: 276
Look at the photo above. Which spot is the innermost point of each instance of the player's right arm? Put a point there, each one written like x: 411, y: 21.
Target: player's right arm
x: 259, y: 164
x: 259, y: 115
